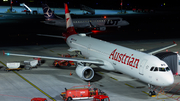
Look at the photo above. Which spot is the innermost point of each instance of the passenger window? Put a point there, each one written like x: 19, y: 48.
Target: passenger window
x: 151, y: 68
x: 156, y: 69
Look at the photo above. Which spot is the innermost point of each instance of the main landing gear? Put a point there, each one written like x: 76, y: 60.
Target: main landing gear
x: 152, y: 93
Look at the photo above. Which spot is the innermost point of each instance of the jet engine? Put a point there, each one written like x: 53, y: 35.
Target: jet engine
x: 85, y: 72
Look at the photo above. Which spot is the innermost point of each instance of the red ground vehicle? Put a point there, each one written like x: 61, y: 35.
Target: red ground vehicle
x: 58, y: 63
x: 134, y: 9
x: 84, y: 92
x: 101, y: 98
x: 38, y: 99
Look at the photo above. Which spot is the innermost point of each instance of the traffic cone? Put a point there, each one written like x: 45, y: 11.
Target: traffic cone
x: 89, y: 84
x: 70, y: 73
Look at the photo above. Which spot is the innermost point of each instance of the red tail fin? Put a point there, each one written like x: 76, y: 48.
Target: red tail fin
x: 69, y: 23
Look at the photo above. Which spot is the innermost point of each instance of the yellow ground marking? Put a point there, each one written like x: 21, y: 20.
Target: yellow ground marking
x: 113, y: 78
x: 51, y: 50
x: 34, y: 86
x: 2, y: 63
x: 58, y: 54
x: 145, y: 92
x: 100, y: 72
x: 129, y: 85
x: 31, y: 84
x: 161, y: 94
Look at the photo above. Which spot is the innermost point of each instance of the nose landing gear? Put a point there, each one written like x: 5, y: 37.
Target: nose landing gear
x: 152, y: 93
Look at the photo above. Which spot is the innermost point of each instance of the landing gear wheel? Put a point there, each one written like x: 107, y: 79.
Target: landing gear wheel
x: 69, y: 99
x: 152, y: 93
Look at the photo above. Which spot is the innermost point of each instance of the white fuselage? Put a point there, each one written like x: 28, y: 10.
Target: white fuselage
x: 128, y: 61
x: 90, y: 22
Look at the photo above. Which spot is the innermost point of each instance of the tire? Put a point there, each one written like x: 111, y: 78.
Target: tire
x: 5, y: 69
x: 69, y: 99
x: 57, y: 65
x: 34, y: 12
x: 68, y: 64
x: 154, y: 93
x: 150, y: 93
x: 39, y: 64
x: 28, y: 12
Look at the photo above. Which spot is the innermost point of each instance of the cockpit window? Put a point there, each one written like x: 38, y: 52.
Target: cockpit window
x: 162, y: 69
x: 156, y: 69
x: 167, y: 69
x: 151, y: 68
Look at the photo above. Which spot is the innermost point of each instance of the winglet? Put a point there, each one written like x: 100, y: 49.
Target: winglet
x: 3, y: 53
x: 174, y: 42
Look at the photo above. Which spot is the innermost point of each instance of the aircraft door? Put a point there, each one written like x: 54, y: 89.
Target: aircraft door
x: 142, y: 66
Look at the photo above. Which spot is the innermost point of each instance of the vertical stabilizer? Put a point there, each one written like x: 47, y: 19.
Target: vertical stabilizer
x: 69, y: 23
x: 48, y: 13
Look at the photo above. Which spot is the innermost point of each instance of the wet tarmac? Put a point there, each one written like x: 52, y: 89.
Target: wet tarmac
x: 18, y: 34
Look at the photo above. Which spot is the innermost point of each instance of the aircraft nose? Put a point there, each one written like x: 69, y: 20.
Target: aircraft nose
x: 169, y: 80
x: 125, y: 22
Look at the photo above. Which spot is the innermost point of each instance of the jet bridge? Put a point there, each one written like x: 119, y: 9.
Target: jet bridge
x: 172, y: 61
x: 28, y: 10
x: 87, y: 9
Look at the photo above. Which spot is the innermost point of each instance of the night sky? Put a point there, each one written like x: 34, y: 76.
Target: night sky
x: 104, y: 4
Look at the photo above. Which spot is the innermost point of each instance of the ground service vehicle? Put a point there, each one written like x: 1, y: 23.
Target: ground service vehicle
x: 29, y: 64
x: 84, y: 92
x: 58, y: 63
x: 27, y: 9
x: 101, y: 98
x: 38, y: 99
x: 39, y: 61
x: 12, y: 66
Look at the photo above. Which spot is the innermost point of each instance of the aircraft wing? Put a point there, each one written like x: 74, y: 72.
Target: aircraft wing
x: 152, y: 51
x: 61, y: 58
x: 54, y: 36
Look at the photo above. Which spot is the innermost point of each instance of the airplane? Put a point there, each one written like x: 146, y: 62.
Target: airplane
x: 141, y: 65
x: 90, y: 23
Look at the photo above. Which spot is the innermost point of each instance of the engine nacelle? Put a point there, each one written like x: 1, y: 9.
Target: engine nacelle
x: 103, y: 28
x: 85, y: 72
